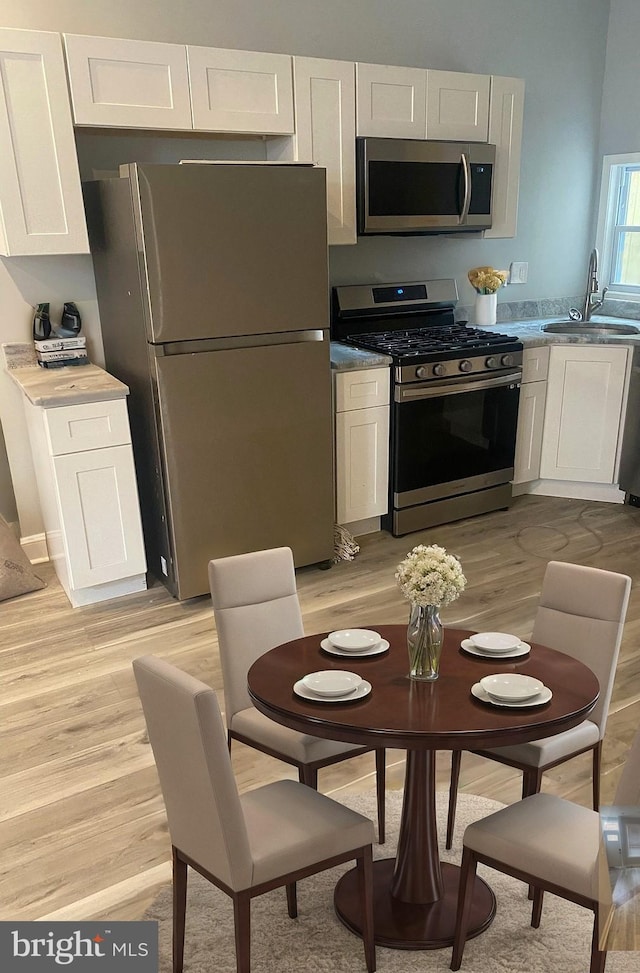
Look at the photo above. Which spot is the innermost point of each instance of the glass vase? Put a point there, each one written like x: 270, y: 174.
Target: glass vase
x: 424, y: 642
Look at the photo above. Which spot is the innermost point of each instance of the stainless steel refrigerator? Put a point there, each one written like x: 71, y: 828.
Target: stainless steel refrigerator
x: 212, y: 286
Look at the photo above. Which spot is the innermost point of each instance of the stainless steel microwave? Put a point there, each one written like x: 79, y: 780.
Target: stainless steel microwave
x: 408, y: 186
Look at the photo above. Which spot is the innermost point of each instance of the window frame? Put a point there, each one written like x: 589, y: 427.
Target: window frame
x: 607, y: 234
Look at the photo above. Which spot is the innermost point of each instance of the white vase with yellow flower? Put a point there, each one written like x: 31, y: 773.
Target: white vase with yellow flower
x: 486, y: 281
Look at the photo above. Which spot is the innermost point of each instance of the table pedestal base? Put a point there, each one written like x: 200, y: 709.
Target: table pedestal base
x: 405, y: 925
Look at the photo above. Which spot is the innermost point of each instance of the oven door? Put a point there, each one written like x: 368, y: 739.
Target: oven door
x: 453, y: 437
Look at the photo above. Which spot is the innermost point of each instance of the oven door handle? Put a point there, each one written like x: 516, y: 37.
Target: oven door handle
x: 433, y: 390
x: 466, y: 172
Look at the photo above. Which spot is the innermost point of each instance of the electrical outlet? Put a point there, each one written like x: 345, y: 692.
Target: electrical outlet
x: 519, y: 273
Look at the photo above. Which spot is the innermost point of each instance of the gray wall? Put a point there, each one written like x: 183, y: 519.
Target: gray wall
x: 557, y: 46
x: 620, y: 129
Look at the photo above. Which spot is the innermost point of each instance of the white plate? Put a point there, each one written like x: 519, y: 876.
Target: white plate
x: 479, y: 693
x: 522, y: 649
x: 511, y: 686
x: 332, y: 682
x: 495, y: 641
x: 363, y: 689
x: 354, y: 639
x: 382, y: 646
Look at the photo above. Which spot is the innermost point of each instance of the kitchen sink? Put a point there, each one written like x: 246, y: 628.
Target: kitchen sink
x: 598, y: 329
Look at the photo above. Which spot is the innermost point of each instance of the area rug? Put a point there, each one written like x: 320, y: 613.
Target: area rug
x: 317, y: 941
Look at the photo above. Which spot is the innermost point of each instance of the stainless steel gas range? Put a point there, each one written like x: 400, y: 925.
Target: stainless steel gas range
x: 454, y: 406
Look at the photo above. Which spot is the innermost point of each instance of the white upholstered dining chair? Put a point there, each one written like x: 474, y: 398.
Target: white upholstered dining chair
x: 255, y: 604
x: 581, y: 612
x: 244, y: 844
x: 555, y: 846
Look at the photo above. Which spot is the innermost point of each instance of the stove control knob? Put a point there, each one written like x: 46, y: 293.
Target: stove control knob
x: 492, y: 362
x: 465, y: 365
x: 507, y: 359
x: 439, y: 370
x: 421, y: 372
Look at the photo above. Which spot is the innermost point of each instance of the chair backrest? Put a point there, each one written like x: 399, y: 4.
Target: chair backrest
x: 582, y: 612
x: 628, y: 789
x: 255, y: 604
x: 188, y: 740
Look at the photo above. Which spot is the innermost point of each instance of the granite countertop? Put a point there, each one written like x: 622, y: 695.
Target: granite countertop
x: 531, y: 333
x: 528, y: 331
x: 346, y: 357
x: 71, y: 385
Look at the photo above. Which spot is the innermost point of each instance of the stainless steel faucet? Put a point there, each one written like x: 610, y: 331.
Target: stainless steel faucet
x: 589, y: 306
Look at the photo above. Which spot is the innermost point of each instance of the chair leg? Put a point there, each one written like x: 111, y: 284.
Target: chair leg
x: 531, y: 784
x: 179, y: 909
x: 456, y: 760
x: 381, y: 772
x: 242, y: 929
x: 309, y: 776
x: 536, y: 912
x: 598, y: 956
x: 467, y: 876
x: 597, y: 766
x: 365, y: 877
x: 292, y: 900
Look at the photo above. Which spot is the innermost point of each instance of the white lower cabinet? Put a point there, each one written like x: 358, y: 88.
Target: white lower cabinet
x: 87, y: 485
x: 583, y: 415
x: 362, y: 444
x: 535, y: 363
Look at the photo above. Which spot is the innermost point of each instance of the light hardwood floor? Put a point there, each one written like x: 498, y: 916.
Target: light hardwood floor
x: 82, y: 827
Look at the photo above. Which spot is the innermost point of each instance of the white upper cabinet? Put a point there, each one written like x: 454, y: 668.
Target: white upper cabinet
x: 41, y: 209
x: 391, y: 101
x: 121, y: 83
x: 241, y: 91
x: 505, y: 132
x: 457, y: 106
x: 325, y: 134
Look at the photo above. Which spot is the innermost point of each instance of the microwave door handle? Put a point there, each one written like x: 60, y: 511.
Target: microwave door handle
x: 466, y: 172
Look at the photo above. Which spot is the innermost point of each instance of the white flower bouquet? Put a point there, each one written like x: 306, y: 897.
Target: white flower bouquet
x: 430, y: 576
x: 486, y: 280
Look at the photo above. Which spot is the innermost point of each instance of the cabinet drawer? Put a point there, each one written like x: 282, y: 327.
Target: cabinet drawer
x: 362, y: 389
x: 91, y: 425
x: 535, y: 364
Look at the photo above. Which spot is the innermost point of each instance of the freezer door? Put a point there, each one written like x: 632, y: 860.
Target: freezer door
x: 247, y: 450
x: 229, y: 250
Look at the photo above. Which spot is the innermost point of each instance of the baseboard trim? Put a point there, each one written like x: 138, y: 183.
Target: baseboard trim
x: 574, y: 490
x: 35, y: 547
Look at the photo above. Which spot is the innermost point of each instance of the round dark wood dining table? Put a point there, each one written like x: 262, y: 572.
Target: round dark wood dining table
x: 415, y: 894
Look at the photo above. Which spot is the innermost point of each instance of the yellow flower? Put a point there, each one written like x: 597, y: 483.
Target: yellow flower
x: 487, y: 280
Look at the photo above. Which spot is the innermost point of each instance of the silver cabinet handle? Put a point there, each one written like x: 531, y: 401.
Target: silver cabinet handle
x: 466, y: 171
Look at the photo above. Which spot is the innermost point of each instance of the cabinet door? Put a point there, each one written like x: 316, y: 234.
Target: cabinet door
x: 529, y: 434
x: 240, y: 91
x: 325, y: 134
x: 98, y: 503
x: 40, y: 195
x: 457, y: 106
x: 391, y: 101
x: 505, y: 132
x: 362, y: 463
x: 128, y: 84
x: 583, y: 412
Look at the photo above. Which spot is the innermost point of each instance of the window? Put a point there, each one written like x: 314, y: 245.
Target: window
x: 619, y: 226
